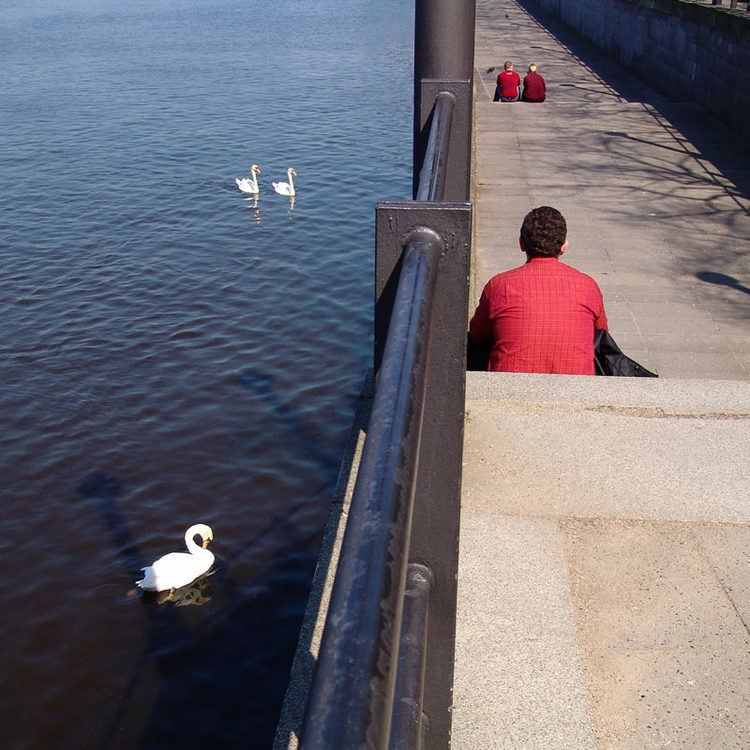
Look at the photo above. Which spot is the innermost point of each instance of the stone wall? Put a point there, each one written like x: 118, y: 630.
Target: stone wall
x: 687, y: 51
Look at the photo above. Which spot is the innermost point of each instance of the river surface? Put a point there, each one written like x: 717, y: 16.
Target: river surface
x: 172, y: 353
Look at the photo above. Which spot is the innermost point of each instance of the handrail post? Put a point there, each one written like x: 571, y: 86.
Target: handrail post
x: 444, y: 39
x: 351, y: 698
x: 443, y: 51
x: 437, y: 496
x: 370, y: 673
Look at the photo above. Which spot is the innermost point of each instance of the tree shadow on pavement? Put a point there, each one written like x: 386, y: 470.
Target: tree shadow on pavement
x: 713, y: 141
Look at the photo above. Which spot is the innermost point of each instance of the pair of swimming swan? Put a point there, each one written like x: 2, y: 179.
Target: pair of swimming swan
x: 250, y: 184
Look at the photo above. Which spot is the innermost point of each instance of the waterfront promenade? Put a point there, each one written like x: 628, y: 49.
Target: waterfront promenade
x: 604, y: 572
x: 604, y: 575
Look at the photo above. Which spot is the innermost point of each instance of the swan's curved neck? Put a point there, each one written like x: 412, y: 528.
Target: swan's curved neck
x: 193, y: 548
x: 254, y: 176
x: 291, y: 182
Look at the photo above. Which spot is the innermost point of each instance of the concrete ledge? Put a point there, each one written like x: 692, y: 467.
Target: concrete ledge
x: 308, y: 646
x: 736, y: 23
x: 727, y: 397
x: 732, y: 22
x: 586, y: 447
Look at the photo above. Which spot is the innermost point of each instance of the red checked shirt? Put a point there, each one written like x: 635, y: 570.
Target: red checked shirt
x: 540, y: 318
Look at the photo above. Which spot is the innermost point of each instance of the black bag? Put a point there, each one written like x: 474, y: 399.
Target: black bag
x: 609, y: 359
x: 477, y: 355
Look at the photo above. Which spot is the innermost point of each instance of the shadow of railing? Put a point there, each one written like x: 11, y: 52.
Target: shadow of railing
x: 178, y: 657
x: 721, y: 279
x: 232, y: 638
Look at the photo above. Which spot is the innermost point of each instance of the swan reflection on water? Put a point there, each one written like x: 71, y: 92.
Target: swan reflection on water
x: 252, y: 204
x: 192, y: 594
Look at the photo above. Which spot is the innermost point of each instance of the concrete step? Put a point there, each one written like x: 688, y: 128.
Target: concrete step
x: 604, y: 585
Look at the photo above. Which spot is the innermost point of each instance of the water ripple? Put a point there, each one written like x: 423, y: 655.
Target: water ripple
x: 170, y: 356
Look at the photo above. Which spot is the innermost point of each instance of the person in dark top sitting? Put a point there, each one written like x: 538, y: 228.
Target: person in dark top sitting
x: 508, y: 84
x: 534, y: 87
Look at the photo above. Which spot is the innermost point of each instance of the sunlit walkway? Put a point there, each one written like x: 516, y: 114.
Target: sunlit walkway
x: 604, y: 580
x: 655, y: 194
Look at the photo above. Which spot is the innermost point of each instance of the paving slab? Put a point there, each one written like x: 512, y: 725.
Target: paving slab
x: 667, y: 655
x: 528, y: 658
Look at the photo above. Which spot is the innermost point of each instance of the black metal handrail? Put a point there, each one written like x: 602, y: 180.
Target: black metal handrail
x: 435, y: 166
x: 351, y: 702
x: 369, y: 688
x: 351, y: 699
x: 407, y: 719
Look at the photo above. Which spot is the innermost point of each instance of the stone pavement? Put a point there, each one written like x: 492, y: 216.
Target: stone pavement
x: 604, y: 574
x: 655, y: 195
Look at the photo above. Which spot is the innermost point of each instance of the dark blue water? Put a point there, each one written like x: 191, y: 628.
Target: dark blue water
x: 173, y: 353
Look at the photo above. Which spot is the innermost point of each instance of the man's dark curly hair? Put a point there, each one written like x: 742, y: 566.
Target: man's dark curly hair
x: 543, y: 232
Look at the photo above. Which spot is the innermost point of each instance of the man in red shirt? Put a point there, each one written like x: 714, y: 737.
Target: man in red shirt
x: 541, y: 316
x: 534, y: 86
x: 507, y: 84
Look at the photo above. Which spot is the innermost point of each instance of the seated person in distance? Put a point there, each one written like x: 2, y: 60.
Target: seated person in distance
x: 534, y: 87
x: 508, y: 83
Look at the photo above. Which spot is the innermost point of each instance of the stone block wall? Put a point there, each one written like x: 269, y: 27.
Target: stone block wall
x: 687, y: 51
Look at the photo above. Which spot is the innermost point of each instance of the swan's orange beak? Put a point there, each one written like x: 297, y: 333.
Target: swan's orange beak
x: 205, y: 543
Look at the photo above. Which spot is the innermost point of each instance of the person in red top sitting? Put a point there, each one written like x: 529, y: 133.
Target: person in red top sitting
x: 508, y: 83
x: 541, y: 316
x: 534, y: 87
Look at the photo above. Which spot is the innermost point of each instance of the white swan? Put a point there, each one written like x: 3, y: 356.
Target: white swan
x: 180, y: 568
x: 286, y: 188
x: 249, y: 184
